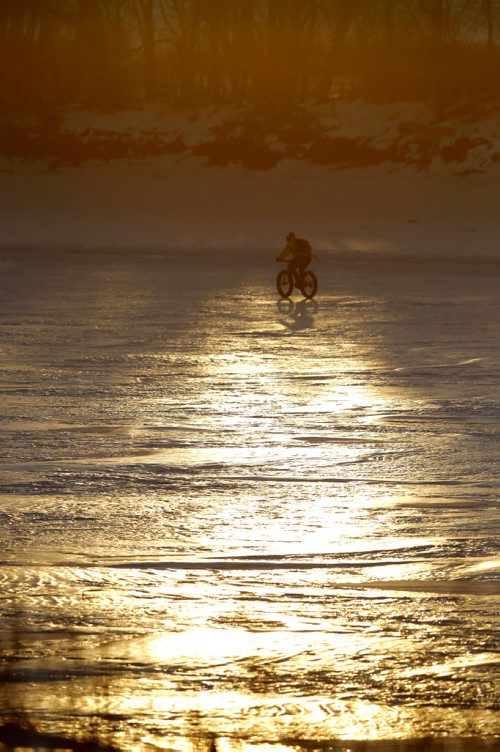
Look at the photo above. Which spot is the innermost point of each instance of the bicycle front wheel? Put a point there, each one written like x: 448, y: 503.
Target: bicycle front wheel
x: 284, y: 283
x: 309, y: 285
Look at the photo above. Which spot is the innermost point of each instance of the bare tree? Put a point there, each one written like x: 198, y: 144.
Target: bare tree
x: 488, y: 13
x: 107, y: 52
x: 147, y: 22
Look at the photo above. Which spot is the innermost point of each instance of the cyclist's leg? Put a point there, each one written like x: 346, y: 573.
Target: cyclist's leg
x: 302, y: 264
x: 294, y: 270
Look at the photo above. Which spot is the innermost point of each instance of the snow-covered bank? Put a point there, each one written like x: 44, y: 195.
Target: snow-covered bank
x: 447, y: 206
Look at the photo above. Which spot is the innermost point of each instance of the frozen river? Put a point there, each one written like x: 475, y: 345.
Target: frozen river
x: 240, y: 521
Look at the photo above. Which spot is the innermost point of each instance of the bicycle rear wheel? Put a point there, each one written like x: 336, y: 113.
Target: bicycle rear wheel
x: 284, y: 283
x: 309, y: 285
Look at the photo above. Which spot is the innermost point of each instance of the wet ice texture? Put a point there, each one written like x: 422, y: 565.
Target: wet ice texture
x: 278, y: 516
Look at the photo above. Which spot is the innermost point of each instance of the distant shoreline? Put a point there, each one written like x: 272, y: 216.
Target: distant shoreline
x: 344, y: 133
x: 332, y: 180
x: 260, y: 256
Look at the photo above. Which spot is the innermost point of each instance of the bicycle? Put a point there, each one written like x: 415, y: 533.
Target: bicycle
x: 307, y: 283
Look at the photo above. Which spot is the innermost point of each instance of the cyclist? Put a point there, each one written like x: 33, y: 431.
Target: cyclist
x: 301, y: 254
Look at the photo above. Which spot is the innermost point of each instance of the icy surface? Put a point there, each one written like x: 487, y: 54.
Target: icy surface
x: 266, y: 519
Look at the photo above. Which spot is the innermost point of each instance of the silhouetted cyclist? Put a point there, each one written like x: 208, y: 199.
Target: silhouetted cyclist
x: 301, y: 254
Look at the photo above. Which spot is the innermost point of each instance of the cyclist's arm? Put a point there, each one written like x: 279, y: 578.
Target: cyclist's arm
x: 285, y: 253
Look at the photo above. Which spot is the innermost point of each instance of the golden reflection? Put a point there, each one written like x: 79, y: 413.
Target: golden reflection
x: 253, y: 385
x: 285, y: 423
x: 490, y: 565
x: 235, y: 721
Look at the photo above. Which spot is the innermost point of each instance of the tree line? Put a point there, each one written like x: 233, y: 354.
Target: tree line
x: 119, y: 53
